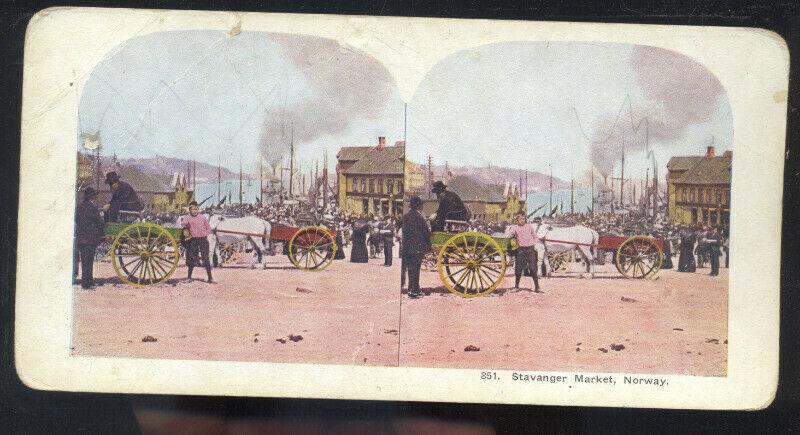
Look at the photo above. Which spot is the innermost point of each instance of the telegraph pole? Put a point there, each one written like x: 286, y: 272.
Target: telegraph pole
x: 261, y: 174
x: 291, y: 162
x: 591, y: 210
x: 551, y: 188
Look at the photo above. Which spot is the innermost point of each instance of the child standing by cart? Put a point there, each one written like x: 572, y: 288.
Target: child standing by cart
x: 197, y: 240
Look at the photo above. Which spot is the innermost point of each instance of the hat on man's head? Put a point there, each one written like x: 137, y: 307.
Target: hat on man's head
x: 416, y: 202
x: 438, y: 186
x: 112, y: 177
x: 89, y: 192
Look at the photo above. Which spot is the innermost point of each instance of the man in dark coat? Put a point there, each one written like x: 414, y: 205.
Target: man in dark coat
x: 358, y: 254
x: 387, y: 233
x: 686, y: 258
x: 89, y: 232
x: 713, y: 243
x: 416, y: 243
x: 450, y: 207
x: 123, y: 198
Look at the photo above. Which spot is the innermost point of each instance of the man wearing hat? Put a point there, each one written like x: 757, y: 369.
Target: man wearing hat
x: 450, y: 207
x: 123, y: 197
x: 416, y: 243
x: 89, y: 232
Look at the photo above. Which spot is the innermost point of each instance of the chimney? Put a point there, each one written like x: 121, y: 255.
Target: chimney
x: 710, y: 152
x: 381, y: 142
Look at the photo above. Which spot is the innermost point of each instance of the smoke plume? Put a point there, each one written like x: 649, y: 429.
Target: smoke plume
x: 677, y: 91
x: 343, y: 86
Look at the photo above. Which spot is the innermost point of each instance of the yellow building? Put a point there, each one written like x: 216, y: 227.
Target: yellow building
x: 486, y: 203
x: 371, y: 178
x: 161, y: 201
x: 698, y: 189
x: 415, y: 177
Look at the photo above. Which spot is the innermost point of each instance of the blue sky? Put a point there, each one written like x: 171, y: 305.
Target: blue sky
x: 208, y: 95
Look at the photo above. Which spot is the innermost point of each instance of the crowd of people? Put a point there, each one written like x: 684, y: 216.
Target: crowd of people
x: 372, y: 236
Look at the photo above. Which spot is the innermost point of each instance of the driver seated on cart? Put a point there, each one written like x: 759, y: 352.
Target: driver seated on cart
x: 450, y: 207
x: 123, y: 198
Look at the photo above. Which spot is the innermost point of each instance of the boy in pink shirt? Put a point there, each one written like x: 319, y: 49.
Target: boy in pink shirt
x: 197, y: 242
x: 526, y: 252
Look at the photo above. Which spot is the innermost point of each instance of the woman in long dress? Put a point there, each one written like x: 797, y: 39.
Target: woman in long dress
x: 358, y: 253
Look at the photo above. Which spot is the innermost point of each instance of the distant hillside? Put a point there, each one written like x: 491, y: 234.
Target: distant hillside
x: 537, y: 182
x: 167, y: 166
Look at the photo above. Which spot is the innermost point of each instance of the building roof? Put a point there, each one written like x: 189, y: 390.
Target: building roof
x: 470, y: 190
x: 352, y: 154
x: 714, y: 170
x: 371, y: 160
x: 683, y: 163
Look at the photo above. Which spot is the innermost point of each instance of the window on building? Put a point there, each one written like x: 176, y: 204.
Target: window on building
x: 380, y: 185
x: 371, y: 185
x: 709, y: 198
x: 719, y: 197
x: 691, y: 195
x: 683, y: 194
x: 399, y: 187
x: 363, y: 185
x: 390, y: 186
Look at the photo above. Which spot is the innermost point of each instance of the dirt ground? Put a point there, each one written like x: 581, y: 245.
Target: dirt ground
x: 355, y: 314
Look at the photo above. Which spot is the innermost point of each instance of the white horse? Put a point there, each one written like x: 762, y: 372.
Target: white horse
x: 248, y: 225
x: 561, y: 239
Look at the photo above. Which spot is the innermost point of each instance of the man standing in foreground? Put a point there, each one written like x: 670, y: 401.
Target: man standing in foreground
x: 416, y: 243
x: 89, y: 232
x: 199, y: 229
x: 526, y: 252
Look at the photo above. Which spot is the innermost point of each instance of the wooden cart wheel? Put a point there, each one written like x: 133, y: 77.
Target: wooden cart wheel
x: 312, y: 248
x: 471, y: 264
x: 429, y: 261
x: 103, y: 250
x: 144, y: 254
x: 228, y: 251
x: 558, y: 260
x: 639, y: 257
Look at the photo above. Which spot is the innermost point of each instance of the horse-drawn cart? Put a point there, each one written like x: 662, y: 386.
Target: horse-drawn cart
x: 472, y: 264
x: 146, y: 253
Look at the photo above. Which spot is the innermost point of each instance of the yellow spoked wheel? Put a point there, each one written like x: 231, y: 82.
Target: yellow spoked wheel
x: 312, y: 248
x: 144, y: 254
x: 639, y: 257
x: 558, y: 260
x: 471, y: 264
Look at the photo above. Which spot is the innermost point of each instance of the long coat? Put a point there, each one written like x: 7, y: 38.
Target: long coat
x: 416, y: 234
x: 339, y: 246
x: 123, y: 199
x: 89, y: 225
x: 450, y: 208
x: 359, y: 252
x: 686, y: 261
